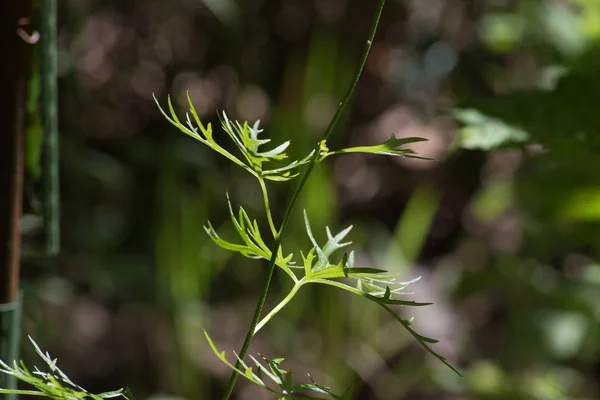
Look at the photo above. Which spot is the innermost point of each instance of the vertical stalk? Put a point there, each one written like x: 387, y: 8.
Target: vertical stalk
x: 13, y: 81
x: 10, y: 335
x: 49, y: 94
x: 292, y: 201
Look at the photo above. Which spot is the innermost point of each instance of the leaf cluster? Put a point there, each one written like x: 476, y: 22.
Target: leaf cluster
x: 253, y: 245
x: 316, y: 266
x: 246, y: 140
x: 271, y: 369
x: 374, y: 284
x: 54, y: 383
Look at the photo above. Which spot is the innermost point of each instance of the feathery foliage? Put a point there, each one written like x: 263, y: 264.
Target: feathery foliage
x: 54, y: 383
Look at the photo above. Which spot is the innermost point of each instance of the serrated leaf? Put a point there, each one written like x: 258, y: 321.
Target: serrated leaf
x: 385, y: 300
x: 389, y: 148
x: 253, y: 245
x: 284, y: 173
x: 206, y: 138
x: 246, y: 373
x: 245, y: 137
x: 333, y: 244
x: 273, y: 371
x: 423, y: 340
x: 277, y: 153
x: 53, y: 384
x: 263, y: 369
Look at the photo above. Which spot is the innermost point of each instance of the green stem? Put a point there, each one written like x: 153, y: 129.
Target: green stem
x: 340, y: 285
x: 50, y: 121
x: 350, y: 91
x: 279, y: 306
x: 292, y: 202
x: 10, y: 333
x: 24, y: 392
x: 263, y: 188
x: 255, y: 318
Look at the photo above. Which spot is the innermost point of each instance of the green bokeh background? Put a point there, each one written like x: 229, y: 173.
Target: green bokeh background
x: 503, y: 227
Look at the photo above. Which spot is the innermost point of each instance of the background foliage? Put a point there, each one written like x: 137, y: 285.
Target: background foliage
x: 503, y: 228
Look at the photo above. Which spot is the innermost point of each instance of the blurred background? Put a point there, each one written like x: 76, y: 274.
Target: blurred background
x: 504, y: 228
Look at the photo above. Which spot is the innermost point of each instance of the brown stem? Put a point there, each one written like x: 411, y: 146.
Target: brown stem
x: 13, y: 81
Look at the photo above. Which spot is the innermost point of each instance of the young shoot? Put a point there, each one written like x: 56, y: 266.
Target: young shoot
x: 268, y: 163
x: 317, y: 267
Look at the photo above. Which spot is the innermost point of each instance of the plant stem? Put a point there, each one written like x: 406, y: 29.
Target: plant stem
x: 350, y: 91
x: 24, y: 392
x: 49, y: 101
x: 292, y: 202
x: 279, y: 306
x: 13, y: 96
x: 255, y: 318
x: 263, y: 188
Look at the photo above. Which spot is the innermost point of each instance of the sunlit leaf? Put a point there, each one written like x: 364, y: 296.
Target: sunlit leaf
x: 246, y: 139
x: 280, y: 377
x: 54, y: 383
x: 253, y: 245
x: 388, y: 148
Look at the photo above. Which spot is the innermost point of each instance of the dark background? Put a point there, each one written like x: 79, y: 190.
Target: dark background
x: 503, y: 227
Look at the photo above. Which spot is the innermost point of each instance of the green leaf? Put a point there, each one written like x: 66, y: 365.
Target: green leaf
x: 423, y: 340
x: 53, y: 384
x: 388, y: 148
x: 246, y: 373
x: 372, y: 281
x: 246, y: 139
x: 364, y: 270
x: 253, y: 245
x: 333, y: 244
x: 385, y: 300
x: 206, y: 138
x: 280, y: 377
x: 283, y: 173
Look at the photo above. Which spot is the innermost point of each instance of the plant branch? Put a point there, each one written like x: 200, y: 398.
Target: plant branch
x: 292, y: 201
x: 350, y: 91
x: 263, y: 188
x: 255, y: 318
x: 280, y: 306
x: 49, y: 101
x: 24, y: 392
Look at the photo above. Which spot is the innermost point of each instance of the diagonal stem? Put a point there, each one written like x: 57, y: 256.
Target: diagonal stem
x: 279, y: 306
x: 292, y: 201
